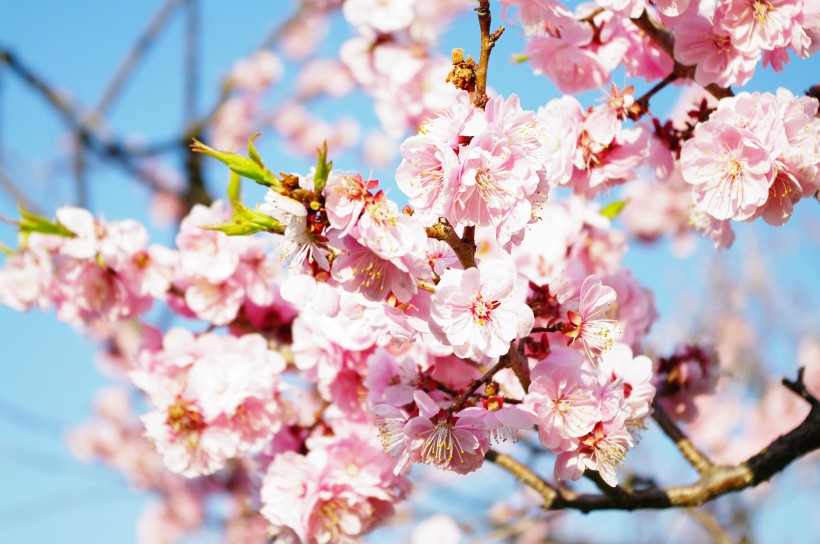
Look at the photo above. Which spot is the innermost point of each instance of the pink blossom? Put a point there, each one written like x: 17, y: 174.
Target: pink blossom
x: 602, y: 450
x: 730, y: 170
x: 635, y: 310
x: 634, y: 374
x: 386, y: 231
x: 428, y: 174
x: 560, y: 124
x: 755, y: 24
x: 360, y: 270
x: 562, y: 396
x: 711, y: 51
x: 448, y: 442
x: 384, y: 16
x: 257, y: 72
x: 590, y: 324
x: 345, y: 196
x: 477, y: 310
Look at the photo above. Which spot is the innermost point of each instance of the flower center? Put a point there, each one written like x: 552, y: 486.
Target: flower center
x: 761, y: 10
x: 482, y: 309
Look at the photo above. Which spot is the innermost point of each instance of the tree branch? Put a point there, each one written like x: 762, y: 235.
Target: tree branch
x: 715, y: 482
x: 488, y: 40
x: 696, y: 458
x: 506, y: 361
x: 464, y: 250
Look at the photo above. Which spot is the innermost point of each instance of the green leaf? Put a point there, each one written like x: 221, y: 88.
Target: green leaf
x: 322, y: 170
x: 234, y: 187
x: 6, y: 250
x: 30, y: 222
x: 251, y: 168
x: 611, y: 210
x: 247, y: 221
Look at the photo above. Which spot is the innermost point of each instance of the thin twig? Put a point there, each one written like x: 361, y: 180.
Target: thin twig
x: 504, y: 362
x: 696, y: 458
x: 488, y: 40
x: 133, y: 57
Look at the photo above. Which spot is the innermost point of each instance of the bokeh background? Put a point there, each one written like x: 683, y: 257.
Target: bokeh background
x: 47, y: 372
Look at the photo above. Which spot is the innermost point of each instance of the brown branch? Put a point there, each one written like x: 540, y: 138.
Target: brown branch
x: 463, y: 248
x: 524, y: 475
x: 488, y: 40
x: 696, y: 458
x: 664, y: 39
x: 506, y: 361
x: 713, y: 483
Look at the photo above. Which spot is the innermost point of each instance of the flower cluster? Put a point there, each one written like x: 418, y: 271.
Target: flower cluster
x: 477, y: 167
x: 756, y: 156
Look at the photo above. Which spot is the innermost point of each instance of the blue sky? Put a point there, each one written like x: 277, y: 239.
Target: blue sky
x: 47, y: 375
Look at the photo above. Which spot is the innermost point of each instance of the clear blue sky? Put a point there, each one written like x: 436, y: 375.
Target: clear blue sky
x: 46, y: 368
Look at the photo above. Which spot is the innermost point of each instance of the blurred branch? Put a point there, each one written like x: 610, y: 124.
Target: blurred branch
x: 102, y: 146
x: 717, y: 481
x: 133, y: 57
x: 711, y: 525
x: 696, y: 458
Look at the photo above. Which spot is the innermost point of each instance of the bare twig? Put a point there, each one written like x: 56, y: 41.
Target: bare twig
x: 488, y: 40
x: 696, y: 458
x: 102, y: 146
x: 505, y: 361
x: 133, y: 57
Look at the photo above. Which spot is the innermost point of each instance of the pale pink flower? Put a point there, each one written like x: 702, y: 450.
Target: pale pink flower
x: 755, y: 24
x: 719, y: 230
x: 428, y: 174
x: 478, y: 312
x: 385, y: 230
x: 562, y: 396
x: 569, y: 56
x: 603, y: 450
x: 711, y: 51
x: 560, y: 124
x: 345, y: 196
x: 634, y: 375
x: 445, y: 441
x: 207, y: 253
x: 258, y: 72
x: 635, y: 310
x: 217, y: 303
x: 359, y: 270
x: 590, y: 325
x: 494, y: 187
x: 503, y: 422
x: 384, y: 16
x: 390, y: 380
x: 730, y: 170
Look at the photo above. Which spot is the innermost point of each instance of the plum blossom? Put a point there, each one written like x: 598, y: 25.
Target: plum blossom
x: 477, y: 311
x: 589, y: 324
x: 446, y: 441
x: 730, y: 170
x: 562, y: 396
